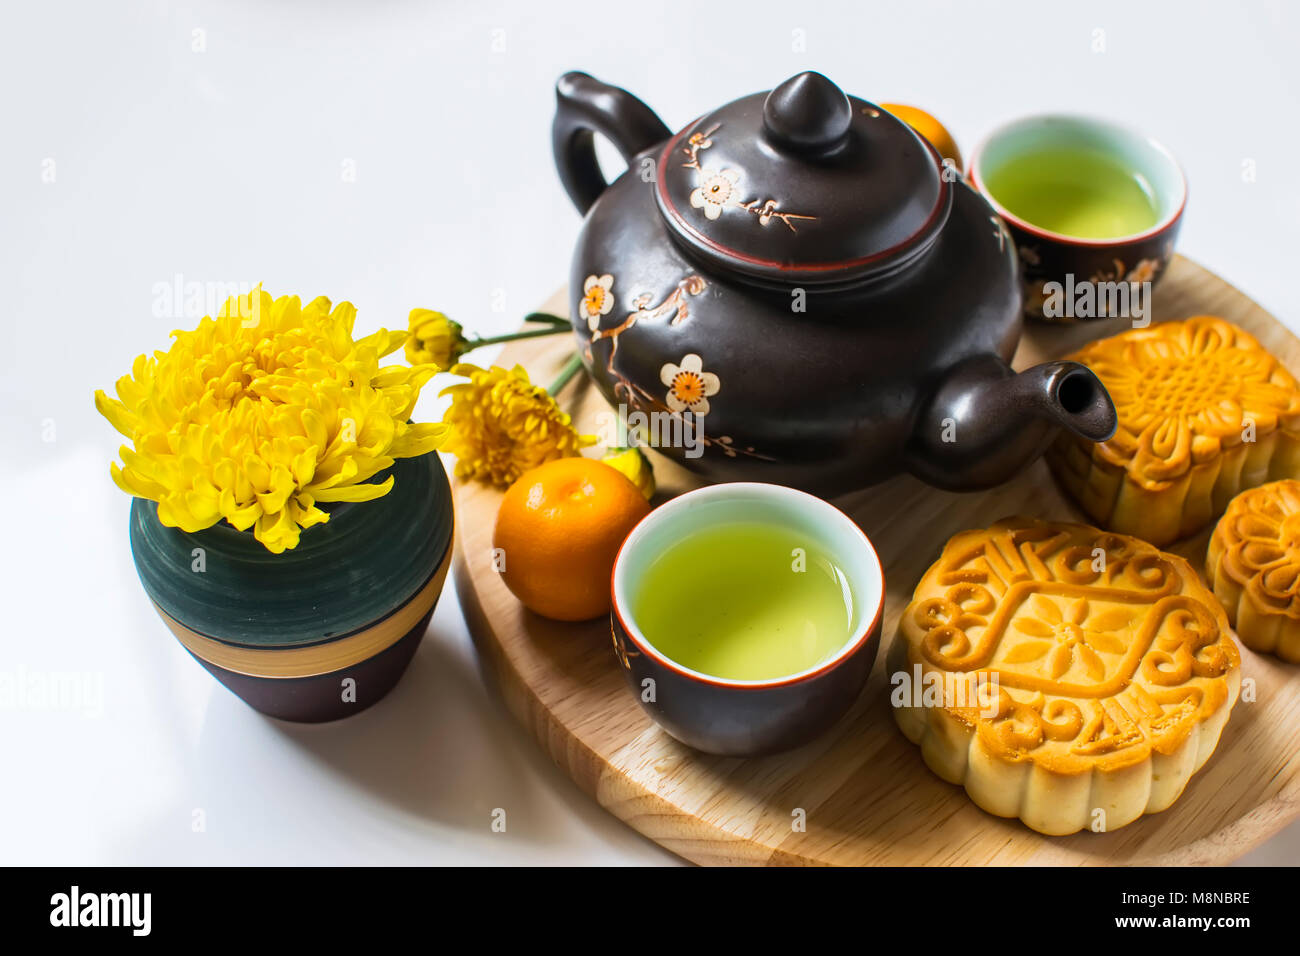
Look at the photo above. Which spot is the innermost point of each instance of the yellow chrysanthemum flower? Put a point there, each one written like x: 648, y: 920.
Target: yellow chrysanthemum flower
x: 263, y: 413
x: 503, y: 425
x: 434, y: 339
x: 633, y: 463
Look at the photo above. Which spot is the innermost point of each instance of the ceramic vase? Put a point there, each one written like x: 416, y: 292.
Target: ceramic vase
x: 318, y: 632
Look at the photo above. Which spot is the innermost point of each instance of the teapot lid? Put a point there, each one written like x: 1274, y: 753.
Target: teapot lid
x: 803, y: 185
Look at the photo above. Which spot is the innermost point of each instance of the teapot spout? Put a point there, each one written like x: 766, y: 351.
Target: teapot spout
x: 985, y: 423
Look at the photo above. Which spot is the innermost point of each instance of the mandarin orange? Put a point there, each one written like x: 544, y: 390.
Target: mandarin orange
x: 559, y: 529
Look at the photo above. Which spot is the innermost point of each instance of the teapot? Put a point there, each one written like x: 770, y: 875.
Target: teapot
x: 794, y: 288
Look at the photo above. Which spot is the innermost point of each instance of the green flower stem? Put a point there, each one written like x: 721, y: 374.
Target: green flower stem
x: 548, y: 319
x: 570, y: 369
x: 513, y: 337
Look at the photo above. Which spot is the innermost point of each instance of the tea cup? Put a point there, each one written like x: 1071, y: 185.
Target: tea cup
x: 1052, y: 178
x: 745, y: 717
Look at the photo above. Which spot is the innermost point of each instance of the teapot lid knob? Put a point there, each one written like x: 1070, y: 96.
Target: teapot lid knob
x: 808, y: 112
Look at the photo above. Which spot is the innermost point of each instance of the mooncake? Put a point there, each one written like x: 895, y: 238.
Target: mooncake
x: 1204, y: 412
x: 1071, y: 677
x: 1253, y: 564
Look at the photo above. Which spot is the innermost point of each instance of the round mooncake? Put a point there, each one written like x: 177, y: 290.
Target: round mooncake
x: 1253, y: 564
x: 1204, y: 412
x: 1071, y: 677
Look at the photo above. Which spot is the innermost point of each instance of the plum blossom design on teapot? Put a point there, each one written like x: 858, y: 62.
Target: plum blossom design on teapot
x: 597, y: 299
x: 718, y: 188
x: 689, y: 386
x: 716, y: 192
x: 676, y: 303
x: 696, y: 142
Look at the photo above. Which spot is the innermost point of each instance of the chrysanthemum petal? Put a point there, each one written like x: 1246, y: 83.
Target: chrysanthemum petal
x: 118, y: 415
x: 363, y: 492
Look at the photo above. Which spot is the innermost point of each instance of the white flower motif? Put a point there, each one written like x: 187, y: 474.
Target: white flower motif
x: 689, y: 386
x: 716, y: 192
x: 597, y: 299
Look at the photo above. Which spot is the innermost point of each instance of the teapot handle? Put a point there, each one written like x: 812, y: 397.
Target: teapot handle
x: 584, y: 106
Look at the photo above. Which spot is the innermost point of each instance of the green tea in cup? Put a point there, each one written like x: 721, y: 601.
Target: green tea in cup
x: 746, y: 616
x: 1080, y: 192
x: 745, y: 600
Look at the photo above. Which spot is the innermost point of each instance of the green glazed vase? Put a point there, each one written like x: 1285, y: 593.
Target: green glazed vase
x: 318, y: 632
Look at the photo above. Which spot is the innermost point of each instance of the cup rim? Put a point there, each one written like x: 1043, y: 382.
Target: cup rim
x: 828, y: 510
x: 1079, y: 119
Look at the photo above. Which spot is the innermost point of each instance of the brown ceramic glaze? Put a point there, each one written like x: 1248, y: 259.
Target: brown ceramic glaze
x: 796, y: 281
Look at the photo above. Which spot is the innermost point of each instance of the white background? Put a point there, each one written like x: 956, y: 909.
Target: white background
x: 228, y: 163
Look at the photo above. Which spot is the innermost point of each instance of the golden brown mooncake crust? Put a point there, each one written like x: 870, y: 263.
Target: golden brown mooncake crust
x: 1082, y: 670
x: 1204, y: 412
x: 1253, y: 564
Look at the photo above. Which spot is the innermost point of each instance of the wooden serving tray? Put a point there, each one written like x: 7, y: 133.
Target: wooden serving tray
x: 866, y: 794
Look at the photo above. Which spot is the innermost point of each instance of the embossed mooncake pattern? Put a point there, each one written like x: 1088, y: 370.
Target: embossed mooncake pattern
x: 1253, y: 564
x: 1085, y: 675
x: 1204, y: 412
